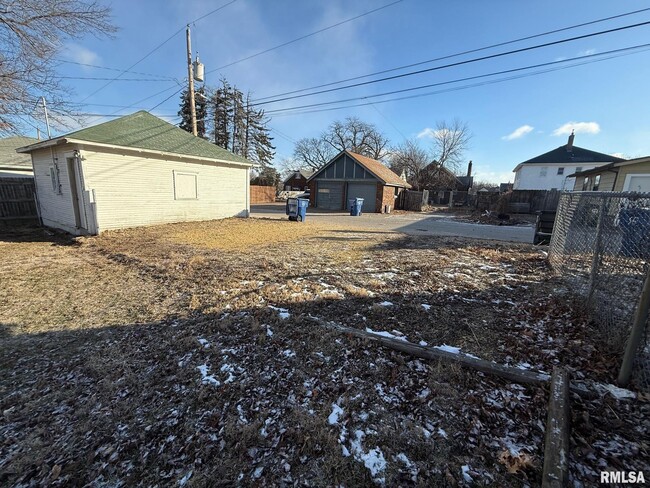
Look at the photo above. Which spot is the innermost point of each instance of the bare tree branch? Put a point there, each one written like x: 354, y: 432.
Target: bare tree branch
x: 32, y: 32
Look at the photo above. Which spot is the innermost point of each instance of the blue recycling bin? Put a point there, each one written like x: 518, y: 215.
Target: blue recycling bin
x: 356, y: 205
x: 296, y: 209
x: 635, y: 224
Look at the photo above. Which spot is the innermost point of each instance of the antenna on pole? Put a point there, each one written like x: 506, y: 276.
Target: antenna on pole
x: 47, y: 119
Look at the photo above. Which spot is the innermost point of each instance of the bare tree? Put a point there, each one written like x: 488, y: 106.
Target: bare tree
x: 450, y: 141
x: 32, y: 32
x: 357, y: 136
x: 409, y: 157
x: 351, y: 134
x: 312, y: 153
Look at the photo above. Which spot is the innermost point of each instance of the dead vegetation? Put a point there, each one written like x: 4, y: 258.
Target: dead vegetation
x: 139, y: 357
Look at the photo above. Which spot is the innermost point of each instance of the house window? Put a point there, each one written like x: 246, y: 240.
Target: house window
x: 54, y: 178
x: 560, y: 171
x: 596, y: 183
x: 578, y: 169
x: 543, y: 171
x: 185, y: 186
x: 585, y: 183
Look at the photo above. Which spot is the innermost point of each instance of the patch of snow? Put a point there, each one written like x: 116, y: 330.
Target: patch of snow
x: 337, y: 411
x: 269, y: 332
x: 466, y: 476
x: 386, y: 303
x: 283, y: 313
x: 425, y: 306
x: 616, y: 392
x: 409, y: 465
x: 385, y: 334
x: 423, y: 343
x: 288, y: 353
x: 446, y: 348
x: 424, y: 393
x: 373, y: 459
x: 206, y: 378
x: 258, y: 472
x: 204, y: 342
x: 364, y: 416
x: 183, y: 481
x: 426, y: 433
x: 442, y: 433
x: 228, y: 368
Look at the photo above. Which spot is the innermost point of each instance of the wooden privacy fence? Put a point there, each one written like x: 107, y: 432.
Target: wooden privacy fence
x: 262, y: 194
x: 414, y: 200
x: 17, y: 202
x: 518, y: 201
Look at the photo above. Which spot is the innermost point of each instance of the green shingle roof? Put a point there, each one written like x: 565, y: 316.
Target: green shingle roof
x: 145, y: 131
x: 8, y: 155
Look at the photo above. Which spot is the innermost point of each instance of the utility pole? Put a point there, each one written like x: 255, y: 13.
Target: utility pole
x: 190, y: 77
x: 47, y: 119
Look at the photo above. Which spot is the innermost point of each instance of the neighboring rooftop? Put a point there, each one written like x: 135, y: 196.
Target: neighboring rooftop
x: 569, y: 153
x: 142, y: 130
x: 9, y: 158
x: 611, y: 166
x: 382, y: 172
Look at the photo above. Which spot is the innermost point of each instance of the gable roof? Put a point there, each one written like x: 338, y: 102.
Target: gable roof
x: 303, y: 172
x: 141, y: 130
x: 9, y: 158
x: 383, y: 173
x: 562, y: 155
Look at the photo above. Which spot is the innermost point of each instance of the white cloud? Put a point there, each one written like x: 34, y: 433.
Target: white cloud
x: 578, y: 127
x: 518, y: 132
x: 587, y: 52
x: 430, y: 133
x: 485, y: 174
x: 80, y: 54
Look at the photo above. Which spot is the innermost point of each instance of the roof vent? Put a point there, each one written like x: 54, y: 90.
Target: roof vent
x: 569, y: 144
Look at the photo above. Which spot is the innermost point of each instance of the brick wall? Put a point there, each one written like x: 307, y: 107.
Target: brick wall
x: 385, y: 196
x: 262, y: 194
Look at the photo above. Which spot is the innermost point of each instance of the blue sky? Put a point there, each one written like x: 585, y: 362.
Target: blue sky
x: 605, y: 102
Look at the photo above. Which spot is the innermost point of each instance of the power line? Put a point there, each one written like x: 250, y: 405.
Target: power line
x: 459, y: 63
x: 96, y: 78
x: 555, y: 31
x: 304, y: 37
x: 113, y: 69
x: 290, y: 111
x: 155, y: 49
x: 159, y: 104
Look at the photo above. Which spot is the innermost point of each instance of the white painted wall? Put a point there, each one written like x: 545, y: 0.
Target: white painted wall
x: 530, y: 176
x: 55, y: 208
x: 127, y: 189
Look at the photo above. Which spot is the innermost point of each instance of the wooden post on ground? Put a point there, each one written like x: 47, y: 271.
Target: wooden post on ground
x: 636, y: 334
x: 595, y: 261
x: 556, y: 444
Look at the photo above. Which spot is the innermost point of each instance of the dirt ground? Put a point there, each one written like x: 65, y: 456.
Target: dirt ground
x: 186, y: 355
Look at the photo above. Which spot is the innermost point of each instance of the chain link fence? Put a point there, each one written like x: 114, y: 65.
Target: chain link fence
x: 601, y: 245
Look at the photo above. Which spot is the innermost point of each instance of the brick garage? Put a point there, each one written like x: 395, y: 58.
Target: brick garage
x: 350, y: 175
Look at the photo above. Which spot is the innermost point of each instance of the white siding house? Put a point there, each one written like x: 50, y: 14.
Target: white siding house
x: 86, y: 187
x: 552, y: 170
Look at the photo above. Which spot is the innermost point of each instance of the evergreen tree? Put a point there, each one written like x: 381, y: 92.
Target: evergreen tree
x: 221, y: 108
x: 201, y: 107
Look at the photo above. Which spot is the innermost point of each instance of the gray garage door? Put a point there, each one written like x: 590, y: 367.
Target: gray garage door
x: 366, y: 191
x: 329, y: 195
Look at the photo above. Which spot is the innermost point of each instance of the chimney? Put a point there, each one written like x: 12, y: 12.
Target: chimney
x: 569, y: 145
x: 469, y: 169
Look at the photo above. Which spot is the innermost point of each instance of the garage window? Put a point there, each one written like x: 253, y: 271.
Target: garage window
x: 185, y: 186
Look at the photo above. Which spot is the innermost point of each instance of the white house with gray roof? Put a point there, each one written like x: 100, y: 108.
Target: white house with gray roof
x: 552, y: 170
x: 134, y: 171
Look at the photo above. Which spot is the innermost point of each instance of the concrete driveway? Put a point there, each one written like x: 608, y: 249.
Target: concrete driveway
x: 434, y: 224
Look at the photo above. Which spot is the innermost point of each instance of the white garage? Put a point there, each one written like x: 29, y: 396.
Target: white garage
x: 133, y: 171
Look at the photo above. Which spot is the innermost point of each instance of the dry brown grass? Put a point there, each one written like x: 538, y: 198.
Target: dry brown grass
x: 124, y: 402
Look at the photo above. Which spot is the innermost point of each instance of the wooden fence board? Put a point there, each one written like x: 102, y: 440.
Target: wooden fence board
x: 17, y: 199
